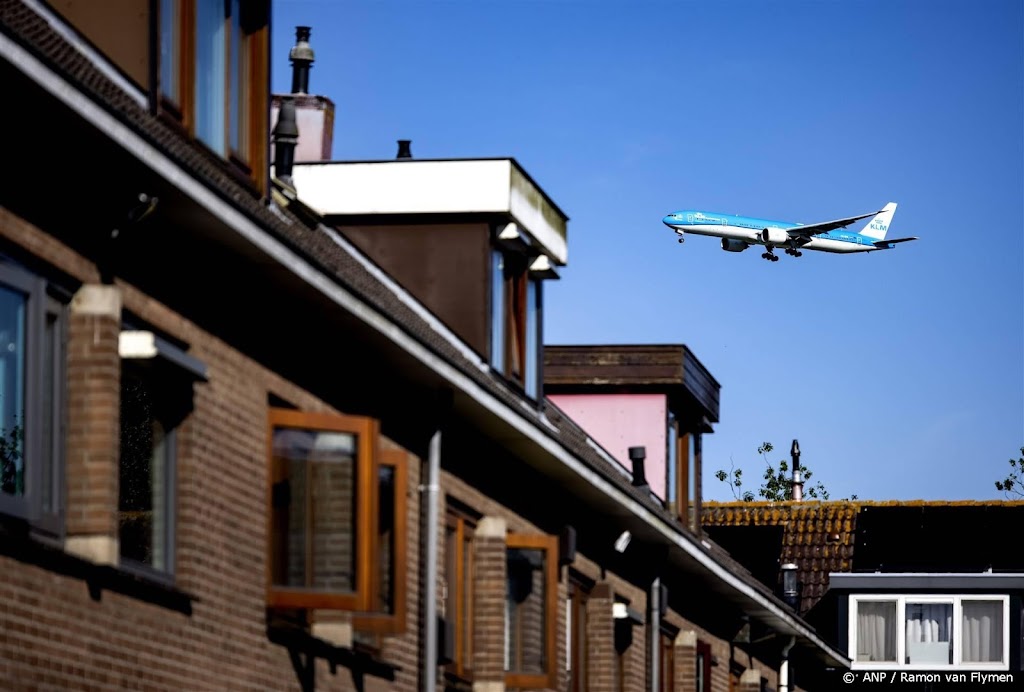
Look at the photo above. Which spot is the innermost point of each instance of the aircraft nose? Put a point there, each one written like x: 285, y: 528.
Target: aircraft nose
x: 670, y: 220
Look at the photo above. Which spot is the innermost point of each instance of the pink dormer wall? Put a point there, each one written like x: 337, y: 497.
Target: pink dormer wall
x: 620, y: 421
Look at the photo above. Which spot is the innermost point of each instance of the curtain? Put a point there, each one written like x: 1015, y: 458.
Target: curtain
x: 929, y: 630
x: 876, y: 631
x: 982, y: 631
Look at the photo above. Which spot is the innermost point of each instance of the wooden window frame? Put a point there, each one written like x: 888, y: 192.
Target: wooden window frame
x: 703, y: 656
x: 394, y: 622
x: 366, y: 431
x: 577, y: 626
x: 464, y: 526
x: 667, y: 634
x: 249, y: 167
x: 548, y: 544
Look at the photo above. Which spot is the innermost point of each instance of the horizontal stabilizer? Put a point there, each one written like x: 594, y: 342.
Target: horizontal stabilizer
x: 893, y: 241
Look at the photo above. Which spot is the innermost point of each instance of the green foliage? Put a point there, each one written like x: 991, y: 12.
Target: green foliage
x: 777, y: 483
x: 1013, y: 485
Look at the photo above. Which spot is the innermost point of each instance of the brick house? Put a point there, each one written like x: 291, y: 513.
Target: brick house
x: 245, y: 445
x: 899, y: 585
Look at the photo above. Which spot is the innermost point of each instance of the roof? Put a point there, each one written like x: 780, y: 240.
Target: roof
x: 29, y: 43
x: 895, y: 536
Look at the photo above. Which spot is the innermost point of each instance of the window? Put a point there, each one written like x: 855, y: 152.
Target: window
x: 703, y: 667
x: 213, y: 59
x: 576, y: 634
x: 146, y: 475
x: 156, y: 397
x: 667, y: 659
x: 32, y: 359
x: 530, y: 610
x: 688, y: 450
x: 324, y: 482
x: 458, y: 604
x: 387, y: 589
x: 926, y: 632
x: 515, y: 320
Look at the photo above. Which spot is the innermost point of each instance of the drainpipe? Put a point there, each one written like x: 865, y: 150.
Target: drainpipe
x: 784, y: 666
x: 431, y: 493
x: 655, y: 643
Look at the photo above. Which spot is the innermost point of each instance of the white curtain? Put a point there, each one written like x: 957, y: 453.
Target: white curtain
x: 876, y: 631
x: 929, y: 630
x: 982, y: 631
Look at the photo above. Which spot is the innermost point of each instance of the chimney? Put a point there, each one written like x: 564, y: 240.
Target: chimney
x: 302, y: 58
x: 637, y: 456
x: 404, y: 149
x: 286, y: 137
x: 798, y: 485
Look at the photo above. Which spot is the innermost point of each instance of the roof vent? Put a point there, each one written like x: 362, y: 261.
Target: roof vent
x: 637, y: 456
x: 404, y: 149
x: 302, y: 58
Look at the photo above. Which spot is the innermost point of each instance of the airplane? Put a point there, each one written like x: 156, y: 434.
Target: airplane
x: 740, y: 232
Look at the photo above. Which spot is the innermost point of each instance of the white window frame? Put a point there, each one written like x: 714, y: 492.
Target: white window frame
x: 901, y: 601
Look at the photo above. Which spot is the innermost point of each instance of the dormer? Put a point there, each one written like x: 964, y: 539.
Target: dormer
x: 201, y: 65
x: 659, y: 397
x: 472, y: 239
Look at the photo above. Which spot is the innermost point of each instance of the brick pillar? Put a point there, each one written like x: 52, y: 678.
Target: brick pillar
x: 94, y: 421
x: 686, y: 661
x: 750, y: 681
x: 600, y: 639
x: 489, y: 606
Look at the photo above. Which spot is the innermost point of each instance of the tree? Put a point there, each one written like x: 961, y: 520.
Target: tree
x: 1013, y: 484
x: 777, y: 485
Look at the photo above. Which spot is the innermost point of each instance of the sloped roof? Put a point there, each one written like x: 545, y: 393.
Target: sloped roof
x: 822, y: 537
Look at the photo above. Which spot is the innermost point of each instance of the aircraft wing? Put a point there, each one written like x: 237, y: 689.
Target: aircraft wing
x: 813, y: 229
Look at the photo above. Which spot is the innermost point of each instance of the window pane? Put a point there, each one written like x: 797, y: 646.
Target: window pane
x: 876, y: 631
x: 314, y: 509
x: 386, y: 539
x: 673, y: 459
x: 467, y: 603
x: 526, y: 645
x: 701, y: 685
x: 533, y: 348
x: 497, y: 311
x: 170, y: 52
x: 211, y: 75
x: 12, y: 390
x: 239, y: 80
x: 144, y: 462
x: 929, y: 633
x: 982, y: 632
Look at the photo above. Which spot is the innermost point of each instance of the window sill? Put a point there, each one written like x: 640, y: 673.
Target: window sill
x: 18, y: 543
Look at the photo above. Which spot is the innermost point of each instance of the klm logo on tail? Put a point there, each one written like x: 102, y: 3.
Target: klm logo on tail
x: 878, y: 226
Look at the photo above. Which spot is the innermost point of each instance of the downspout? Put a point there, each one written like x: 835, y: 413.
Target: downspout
x: 431, y: 492
x: 655, y: 643
x: 784, y: 666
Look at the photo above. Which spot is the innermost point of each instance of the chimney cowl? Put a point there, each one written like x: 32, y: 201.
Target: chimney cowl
x: 404, y: 149
x: 637, y: 455
x: 302, y: 58
x: 302, y: 50
x: 286, y: 137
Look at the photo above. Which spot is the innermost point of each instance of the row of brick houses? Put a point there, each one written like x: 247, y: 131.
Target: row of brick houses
x: 291, y: 432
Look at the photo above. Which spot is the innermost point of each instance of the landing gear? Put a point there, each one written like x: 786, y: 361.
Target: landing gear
x: 794, y: 252
x: 770, y: 254
x: 681, y: 239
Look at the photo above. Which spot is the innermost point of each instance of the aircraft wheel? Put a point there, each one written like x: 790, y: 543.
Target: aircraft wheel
x: 681, y: 240
x: 775, y: 258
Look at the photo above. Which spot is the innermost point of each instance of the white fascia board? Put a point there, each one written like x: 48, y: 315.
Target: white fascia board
x: 495, y: 186
x: 523, y: 423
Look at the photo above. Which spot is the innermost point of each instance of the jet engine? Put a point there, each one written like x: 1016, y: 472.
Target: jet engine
x: 730, y: 245
x: 774, y: 236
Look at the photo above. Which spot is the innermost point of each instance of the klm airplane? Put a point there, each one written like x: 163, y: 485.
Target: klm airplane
x: 740, y: 232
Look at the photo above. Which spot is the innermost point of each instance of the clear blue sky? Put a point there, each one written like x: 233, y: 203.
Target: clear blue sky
x: 901, y: 372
